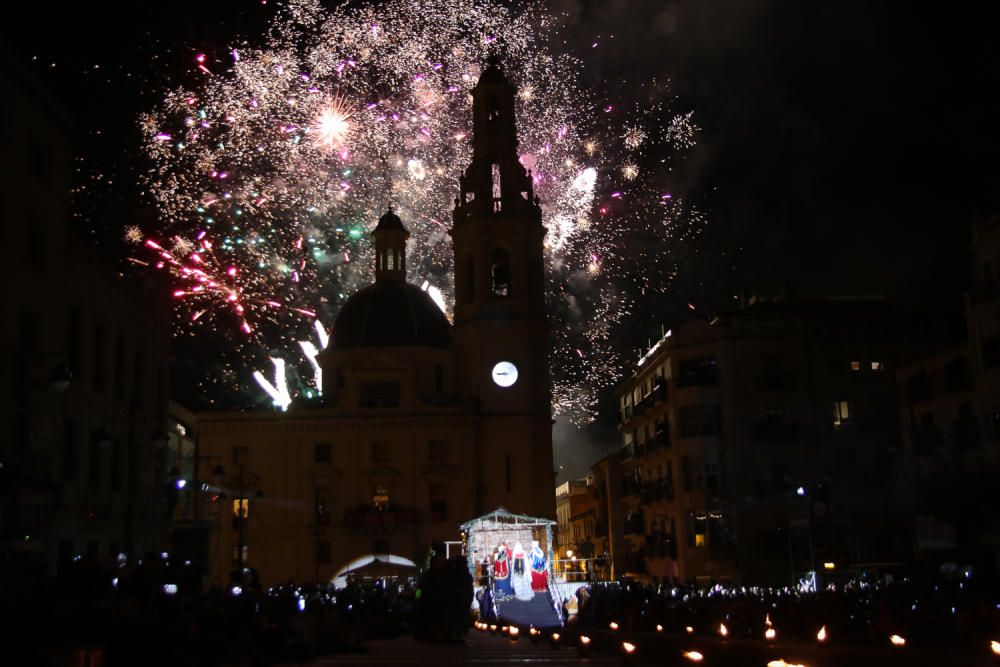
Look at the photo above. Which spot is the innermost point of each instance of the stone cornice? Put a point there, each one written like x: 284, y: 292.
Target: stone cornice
x: 250, y: 422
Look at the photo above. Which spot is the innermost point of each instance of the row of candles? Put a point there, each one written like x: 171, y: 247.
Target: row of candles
x: 629, y: 648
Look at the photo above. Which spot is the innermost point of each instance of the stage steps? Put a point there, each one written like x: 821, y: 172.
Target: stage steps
x: 537, y: 612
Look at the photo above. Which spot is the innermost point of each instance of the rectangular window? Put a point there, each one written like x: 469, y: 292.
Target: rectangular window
x: 697, y: 530
x: 841, y: 414
x: 439, y: 378
x: 439, y: 502
x: 877, y: 366
x: 686, y: 473
x: 699, y: 420
x: 712, y: 477
x: 437, y: 450
x: 236, y: 554
x: 856, y: 366
x: 380, y: 395
x: 381, y: 497
x: 241, y: 455
x: 324, y: 554
x: 380, y: 452
x: 241, y: 508
x: 695, y: 372
x: 321, y: 452
x: 322, y: 506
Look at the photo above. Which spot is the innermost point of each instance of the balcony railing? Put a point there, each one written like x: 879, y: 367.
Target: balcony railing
x: 656, y: 491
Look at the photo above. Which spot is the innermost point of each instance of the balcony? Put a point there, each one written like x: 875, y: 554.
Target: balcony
x: 657, y: 491
x: 634, y: 525
x: 368, y: 519
x: 661, y: 439
x: 697, y: 373
x: 659, y: 548
x: 630, y: 486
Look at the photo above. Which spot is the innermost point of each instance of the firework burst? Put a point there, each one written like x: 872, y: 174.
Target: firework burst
x: 285, y: 155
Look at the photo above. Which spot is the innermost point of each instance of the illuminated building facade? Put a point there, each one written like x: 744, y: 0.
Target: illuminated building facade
x: 760, y: 443
x: 576, y: 518
x: 424, y: 424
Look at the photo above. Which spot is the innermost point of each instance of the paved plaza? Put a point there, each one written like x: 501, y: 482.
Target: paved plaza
x: 479, y: 649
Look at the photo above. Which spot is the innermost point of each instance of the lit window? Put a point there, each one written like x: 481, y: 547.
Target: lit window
x: 876, y: 365
x: 841, y: 414
x: 699, y: 539
x: 856, y: 366
x: 381, y: 497
x: 241, y: 508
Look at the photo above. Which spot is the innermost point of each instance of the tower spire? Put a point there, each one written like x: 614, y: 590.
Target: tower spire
x: 495, y: 182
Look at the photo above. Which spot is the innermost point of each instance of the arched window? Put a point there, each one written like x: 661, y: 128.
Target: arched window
x: 392, y: 260
x: 500, y: 273
x: 493, y: 112
x: 497, y: 189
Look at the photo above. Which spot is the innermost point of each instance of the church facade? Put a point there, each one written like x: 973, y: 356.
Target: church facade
x: 425, y: 424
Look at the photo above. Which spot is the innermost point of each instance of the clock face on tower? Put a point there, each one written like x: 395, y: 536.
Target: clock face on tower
x: 505, y: 374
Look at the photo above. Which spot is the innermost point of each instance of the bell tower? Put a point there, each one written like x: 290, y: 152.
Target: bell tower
x: 501, y: 330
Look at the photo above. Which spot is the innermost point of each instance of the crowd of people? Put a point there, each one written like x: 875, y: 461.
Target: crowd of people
x: 156, y: 613
x: 927, y: 613
x: 443, y: 608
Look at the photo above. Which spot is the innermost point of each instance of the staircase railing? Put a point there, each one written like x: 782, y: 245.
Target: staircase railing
x: 555, y: 596
x: 495, y: 606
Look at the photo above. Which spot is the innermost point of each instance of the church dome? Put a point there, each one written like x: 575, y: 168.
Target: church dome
x: 391, y: 314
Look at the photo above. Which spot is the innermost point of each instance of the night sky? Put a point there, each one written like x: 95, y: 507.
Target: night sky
x: 846, y: 147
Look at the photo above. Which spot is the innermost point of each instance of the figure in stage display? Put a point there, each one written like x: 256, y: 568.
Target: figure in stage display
x: 539, y: 573
x: 501, y: 573
x: 521, y: 579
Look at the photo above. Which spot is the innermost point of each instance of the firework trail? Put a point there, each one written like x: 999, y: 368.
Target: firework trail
x: 284, y: 155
